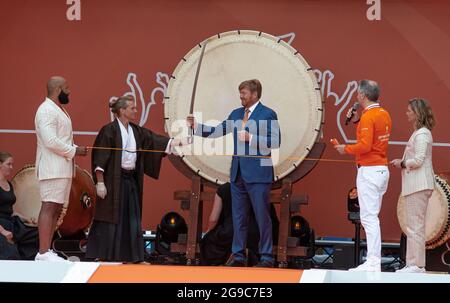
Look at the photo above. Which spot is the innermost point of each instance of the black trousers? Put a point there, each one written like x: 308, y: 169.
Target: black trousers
x: 26, y: 240
x: 121, y: 242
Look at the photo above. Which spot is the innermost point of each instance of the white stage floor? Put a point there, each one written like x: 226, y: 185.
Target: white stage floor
x: 47, y: 272
x: 343, y: 276
x: 83, y: 272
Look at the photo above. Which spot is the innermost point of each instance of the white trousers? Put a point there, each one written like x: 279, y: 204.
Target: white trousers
x: 416, y: 210
x: 372, y: 182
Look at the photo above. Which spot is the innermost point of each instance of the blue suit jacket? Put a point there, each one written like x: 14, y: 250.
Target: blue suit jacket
x: 265, y: 130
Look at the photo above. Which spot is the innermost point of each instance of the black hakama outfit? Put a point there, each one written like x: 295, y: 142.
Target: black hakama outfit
x: 116, y: 233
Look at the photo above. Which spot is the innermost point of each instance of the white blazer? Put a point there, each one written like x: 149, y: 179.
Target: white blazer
x: 418, y: 174
x: 55, y: 148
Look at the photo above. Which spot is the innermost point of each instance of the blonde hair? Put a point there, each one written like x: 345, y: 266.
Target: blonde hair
x: 253, y: 86
x: 122, y: 102
x: 423, y: 112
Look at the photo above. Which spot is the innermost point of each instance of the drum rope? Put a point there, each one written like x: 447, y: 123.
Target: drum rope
x: 223, y: 155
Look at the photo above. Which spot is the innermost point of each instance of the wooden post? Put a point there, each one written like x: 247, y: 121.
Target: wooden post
x: 195, y: 221
x: 286, y: 193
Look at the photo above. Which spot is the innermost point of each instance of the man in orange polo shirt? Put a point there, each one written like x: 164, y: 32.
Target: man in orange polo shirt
x: 372, y: 134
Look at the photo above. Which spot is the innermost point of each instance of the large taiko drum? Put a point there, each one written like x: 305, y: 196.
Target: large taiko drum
x: 437, y: 220
x: 76, y: 215
x: 288, y: 86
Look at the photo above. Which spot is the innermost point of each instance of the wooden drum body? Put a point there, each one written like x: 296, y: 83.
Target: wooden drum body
x: 76, y: 215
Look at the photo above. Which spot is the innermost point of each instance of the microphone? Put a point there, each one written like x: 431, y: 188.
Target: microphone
x: 354, y: 108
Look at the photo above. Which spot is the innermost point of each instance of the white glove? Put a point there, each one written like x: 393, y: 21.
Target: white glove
x: 101, y: 190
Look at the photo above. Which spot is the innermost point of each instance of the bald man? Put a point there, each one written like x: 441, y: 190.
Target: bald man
x: 54, y: 161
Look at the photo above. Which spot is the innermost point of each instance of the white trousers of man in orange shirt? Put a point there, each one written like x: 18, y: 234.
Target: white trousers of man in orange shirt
x: 372, y: 183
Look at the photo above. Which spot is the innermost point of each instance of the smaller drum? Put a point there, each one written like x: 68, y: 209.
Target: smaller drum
x: 76, y: 215
x: 437, y: 220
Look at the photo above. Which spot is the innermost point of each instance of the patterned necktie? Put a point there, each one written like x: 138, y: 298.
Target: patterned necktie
x: 244, y: 121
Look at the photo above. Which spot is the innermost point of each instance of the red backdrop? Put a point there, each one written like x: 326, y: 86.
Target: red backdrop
x: 406, y: 52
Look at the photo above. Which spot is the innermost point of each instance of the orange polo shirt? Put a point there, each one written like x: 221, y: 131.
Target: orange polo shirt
x: 372, y: 137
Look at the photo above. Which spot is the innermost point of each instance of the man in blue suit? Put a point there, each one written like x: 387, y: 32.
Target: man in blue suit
x: 255, y: 132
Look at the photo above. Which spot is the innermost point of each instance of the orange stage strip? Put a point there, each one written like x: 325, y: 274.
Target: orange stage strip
x: 192, y: 274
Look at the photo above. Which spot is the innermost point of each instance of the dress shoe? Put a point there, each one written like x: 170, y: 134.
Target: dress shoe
x: 232, y: 262
x: 265, y: 263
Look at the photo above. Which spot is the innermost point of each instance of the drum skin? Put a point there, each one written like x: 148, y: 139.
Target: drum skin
x: 289, y: 87
x: 26, y: 189
x: 437, y: 220
x: 76, y: 215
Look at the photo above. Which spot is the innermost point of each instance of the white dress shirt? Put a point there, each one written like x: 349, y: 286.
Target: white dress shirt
x: 129, y: 154
x: 252, y: 108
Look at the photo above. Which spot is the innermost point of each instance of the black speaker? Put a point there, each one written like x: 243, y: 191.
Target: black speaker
x: 343, y: 256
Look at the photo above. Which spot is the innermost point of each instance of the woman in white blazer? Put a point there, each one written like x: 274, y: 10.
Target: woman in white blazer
x: 417, y: 182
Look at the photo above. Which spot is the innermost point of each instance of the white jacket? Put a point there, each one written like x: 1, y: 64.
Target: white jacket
x: 418, y: 174
x: 55, y: 148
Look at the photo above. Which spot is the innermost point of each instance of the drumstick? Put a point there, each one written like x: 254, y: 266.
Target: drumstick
x: 223, y: 155
x: 334, y: 141
x: 194, y: 90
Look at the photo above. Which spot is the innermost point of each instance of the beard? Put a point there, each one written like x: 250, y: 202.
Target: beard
x: 63, y: 98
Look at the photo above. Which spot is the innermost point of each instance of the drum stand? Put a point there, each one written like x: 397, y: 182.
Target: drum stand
x: 355, y: 219
x: 192, y: 200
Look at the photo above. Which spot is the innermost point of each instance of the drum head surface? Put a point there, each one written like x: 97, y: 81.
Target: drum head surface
x: 26, y: 189
x: 289, y: 87
x: 28, y: 199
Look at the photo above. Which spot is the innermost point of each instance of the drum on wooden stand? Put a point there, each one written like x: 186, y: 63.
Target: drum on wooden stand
x: 289, y: 87
x: 76, y: 215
